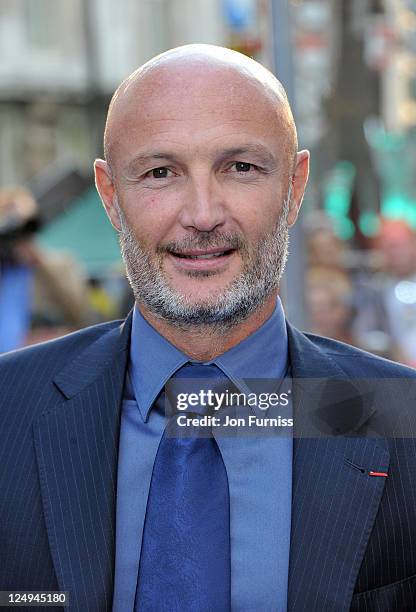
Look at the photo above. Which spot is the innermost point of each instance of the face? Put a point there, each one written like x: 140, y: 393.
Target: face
x: 400, y: 253
x: 325, y: 249
x: 202, y: 193
x: 329, y: 312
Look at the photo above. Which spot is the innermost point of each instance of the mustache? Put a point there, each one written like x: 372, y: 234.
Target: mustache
x: 205, y: 240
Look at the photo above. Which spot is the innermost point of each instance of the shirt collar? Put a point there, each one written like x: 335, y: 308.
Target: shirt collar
x: 263, y: 354
x: 153, y: 359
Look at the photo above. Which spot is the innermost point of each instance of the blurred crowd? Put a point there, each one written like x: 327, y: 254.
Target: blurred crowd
x: 365, y: 298
x: 45, y: 294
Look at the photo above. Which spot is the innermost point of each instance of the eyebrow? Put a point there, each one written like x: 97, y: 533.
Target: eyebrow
x: 261, y: 154
x: 140, y: 161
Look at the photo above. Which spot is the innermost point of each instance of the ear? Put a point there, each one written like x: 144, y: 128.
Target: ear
x: 105, y: 187
x: 299, y: 180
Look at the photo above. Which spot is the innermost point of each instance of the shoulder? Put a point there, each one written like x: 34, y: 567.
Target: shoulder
x: 42, y: 361
x: 356, y: 362
x: 29, y: 377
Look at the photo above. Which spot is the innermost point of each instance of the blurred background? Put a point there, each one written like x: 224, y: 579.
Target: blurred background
x: 349, y: 69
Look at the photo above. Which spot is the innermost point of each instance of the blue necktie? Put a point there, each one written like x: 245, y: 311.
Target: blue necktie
x: 185, y: 558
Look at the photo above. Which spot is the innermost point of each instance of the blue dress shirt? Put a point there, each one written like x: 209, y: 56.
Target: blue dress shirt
x: 259, y: 469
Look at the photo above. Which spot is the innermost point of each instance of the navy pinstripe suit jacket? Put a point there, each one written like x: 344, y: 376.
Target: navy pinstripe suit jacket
x: 353, y: 540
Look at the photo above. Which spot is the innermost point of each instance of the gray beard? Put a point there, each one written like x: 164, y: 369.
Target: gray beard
x: 259, y: 278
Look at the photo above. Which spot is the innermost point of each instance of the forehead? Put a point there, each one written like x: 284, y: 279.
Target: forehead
x: 198, y: 110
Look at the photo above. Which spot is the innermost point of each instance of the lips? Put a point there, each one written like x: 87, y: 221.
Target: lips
x: 202, y: 259
x: 198, y: 255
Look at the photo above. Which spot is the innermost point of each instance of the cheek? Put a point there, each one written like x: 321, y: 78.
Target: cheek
x: 259, y: 221
x: 149, y: 215
x: 258, y: 205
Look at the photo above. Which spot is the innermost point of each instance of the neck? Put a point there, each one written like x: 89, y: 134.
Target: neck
x: 204, y: 343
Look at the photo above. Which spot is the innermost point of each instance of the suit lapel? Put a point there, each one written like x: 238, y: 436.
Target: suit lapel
x: 76, y: 441
x: 335, y: 501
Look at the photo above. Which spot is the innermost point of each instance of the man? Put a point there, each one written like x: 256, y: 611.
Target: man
x: 386, y: 299
x: 42, y: 293
x: 202, y: 179
x: 396, y: 287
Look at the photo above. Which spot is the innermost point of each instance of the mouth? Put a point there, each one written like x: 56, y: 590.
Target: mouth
x: 205, y: 254
x: 199, y: 259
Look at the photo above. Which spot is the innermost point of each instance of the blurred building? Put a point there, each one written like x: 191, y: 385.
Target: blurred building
x: 62, y: 60
x: 392, y: 136
x: 399, y: 63
x: 354, y: 60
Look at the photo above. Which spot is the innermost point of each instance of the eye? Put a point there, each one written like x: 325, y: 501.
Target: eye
x: 159, y: 173
x: 243, y: 166
x: 239, y: 167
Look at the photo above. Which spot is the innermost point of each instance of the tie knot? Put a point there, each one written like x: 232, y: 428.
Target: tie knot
x: 197, y: 389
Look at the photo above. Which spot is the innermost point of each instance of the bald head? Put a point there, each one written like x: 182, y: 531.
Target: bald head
x: 197, y: 71
x: 202, y: 181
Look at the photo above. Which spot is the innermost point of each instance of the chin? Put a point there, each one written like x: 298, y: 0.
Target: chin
x: 203, y: 298
x: 201, y: 289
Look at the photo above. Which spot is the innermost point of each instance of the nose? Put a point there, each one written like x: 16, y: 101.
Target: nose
x: 203, y: 206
